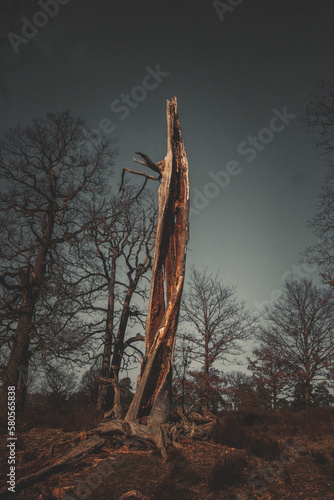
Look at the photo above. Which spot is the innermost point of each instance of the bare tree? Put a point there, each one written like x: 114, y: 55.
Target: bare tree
x: 322, y: 225
x: 207, y: 391
x: 300, y: 326
x: 270, y: 375
x: 183, y: 359
x: 48, y: 176
x: 113, y: 260
x: 319, y: 115
x: 240, y: 391
x: 319, y: 118
x: 219, y: 321
x: 57, y: 387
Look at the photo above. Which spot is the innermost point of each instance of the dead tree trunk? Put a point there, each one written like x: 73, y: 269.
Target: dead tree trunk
x: 153, y: 393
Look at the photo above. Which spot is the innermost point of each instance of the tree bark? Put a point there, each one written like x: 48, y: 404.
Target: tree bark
x: 274, y: 398
x: 307, y: 393
x: 206, y: 368
x: 103, y: 387
x: 32, y: 280
x: 114, y: 401
x: 16, y: 373
x: 153, y: 393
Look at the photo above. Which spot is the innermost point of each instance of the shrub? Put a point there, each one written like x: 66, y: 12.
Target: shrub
x: 172, y: 486
x: 320, y: 457
x: 181, y: 469
x: 264, y: 447
x: 313, y: 422
x: 227, y: 471
x: 80, y: 421
x: 329, y: 470
x: 168, y: 490
x: 75, y: 421
x: 39, y: 419
x: 230, y: 433
x: 252, y: 418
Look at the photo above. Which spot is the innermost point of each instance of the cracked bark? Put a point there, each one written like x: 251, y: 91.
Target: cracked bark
x: 153, y: 393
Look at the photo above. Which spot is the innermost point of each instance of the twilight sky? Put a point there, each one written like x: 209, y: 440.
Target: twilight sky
x: 241, y: 75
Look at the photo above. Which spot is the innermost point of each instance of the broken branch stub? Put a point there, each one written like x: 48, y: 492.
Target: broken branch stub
x: 153, y: 393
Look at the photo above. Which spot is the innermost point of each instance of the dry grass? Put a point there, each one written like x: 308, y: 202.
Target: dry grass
x: 248, y: 452
x: 227, y: 471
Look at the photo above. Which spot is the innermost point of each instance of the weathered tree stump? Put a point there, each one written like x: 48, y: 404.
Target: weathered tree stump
x: 153, y: 393
x: 152, y: 398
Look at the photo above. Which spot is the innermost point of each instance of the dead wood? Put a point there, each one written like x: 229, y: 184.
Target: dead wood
x: 80, y: 451
x: 153, y: 393
x: 157, y: 434
x: 162, y: 436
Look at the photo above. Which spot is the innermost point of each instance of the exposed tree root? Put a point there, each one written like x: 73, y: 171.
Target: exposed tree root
x: 163, y: 436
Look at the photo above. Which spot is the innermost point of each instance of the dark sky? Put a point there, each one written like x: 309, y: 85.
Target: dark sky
x: 228, y: 75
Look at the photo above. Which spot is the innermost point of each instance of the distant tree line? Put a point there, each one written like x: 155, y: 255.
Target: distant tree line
x: 292, y: 363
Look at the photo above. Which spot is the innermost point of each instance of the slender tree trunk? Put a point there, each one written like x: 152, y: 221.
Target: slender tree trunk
x: 206, y: 372
x: 307, y: 390
x: 183, y: 388
x: 153, y: 393
x: 307, y: 393
x: 104, y: 388
x: 274, y: 398
x: 113, y: 400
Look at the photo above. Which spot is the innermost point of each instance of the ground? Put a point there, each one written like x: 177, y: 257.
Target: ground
x: 280, y: 456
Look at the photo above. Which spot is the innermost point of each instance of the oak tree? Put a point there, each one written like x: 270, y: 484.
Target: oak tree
x: 218, y: 320
x: 319, y: 119
x: 49, y: 171
x: 300, y: 326
x: 270, y: 375
x: 113, y: 260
